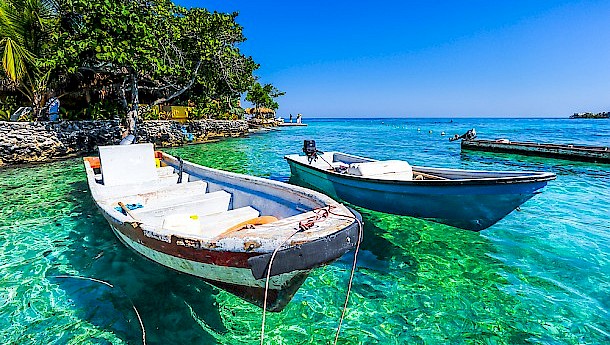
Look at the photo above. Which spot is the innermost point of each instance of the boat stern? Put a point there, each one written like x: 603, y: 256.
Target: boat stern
x: 311, y: 254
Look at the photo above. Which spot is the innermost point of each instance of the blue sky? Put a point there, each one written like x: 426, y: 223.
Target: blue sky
x: 429, y: 58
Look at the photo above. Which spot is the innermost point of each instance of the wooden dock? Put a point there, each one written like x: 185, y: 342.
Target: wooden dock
x: 597, y: 154
x: 291, y: 124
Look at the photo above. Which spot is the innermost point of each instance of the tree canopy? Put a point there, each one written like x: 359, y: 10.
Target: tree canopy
x: 120, y: 53
x: 264, y: 96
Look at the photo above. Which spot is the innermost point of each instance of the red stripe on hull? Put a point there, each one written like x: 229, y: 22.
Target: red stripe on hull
x: 193, y: 252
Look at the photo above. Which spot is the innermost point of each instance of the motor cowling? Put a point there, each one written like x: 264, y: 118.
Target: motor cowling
x: 309, y: 147
x: 310, y: 150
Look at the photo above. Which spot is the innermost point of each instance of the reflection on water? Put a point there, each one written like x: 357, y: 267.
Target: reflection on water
x: 538, y: 276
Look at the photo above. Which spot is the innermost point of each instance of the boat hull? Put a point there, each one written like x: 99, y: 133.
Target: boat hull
x: 240, y: 273
x: 467, y: 206
x: 238, y: 281
x: 568, y: 152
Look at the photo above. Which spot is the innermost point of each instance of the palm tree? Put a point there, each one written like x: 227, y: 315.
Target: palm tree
x: 25, y: 28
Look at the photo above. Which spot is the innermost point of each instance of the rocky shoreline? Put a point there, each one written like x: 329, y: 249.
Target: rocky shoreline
x: 603, y: 115
x: 32, y: 142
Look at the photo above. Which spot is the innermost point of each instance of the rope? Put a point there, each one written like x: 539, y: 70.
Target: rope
x: 87, y: 278
x: 267, y: 283
x: 322, y: 157
x: 315, y: 156
x: 351, y: 276
x: 319, y: 215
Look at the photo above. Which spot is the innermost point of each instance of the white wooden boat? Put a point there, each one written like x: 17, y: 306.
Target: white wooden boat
x: 468, y: 199
x: 220, y: 226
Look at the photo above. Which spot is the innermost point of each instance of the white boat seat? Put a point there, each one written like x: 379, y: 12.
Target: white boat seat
x: 160, y: 191
x: 207, y: 204
x: 209, y: 226
x: 166, y: 197
x: 215, y: 202
x: 216, y: 224
x: 128, y: 164
x: 114, y: 192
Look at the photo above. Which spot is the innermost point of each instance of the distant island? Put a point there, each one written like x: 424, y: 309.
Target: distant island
x: 604, y: 115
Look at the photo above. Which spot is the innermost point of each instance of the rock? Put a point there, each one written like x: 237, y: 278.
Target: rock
x: 23, y: 142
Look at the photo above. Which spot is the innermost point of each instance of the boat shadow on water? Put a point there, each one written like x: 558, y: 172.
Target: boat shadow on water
x: 171, y: 305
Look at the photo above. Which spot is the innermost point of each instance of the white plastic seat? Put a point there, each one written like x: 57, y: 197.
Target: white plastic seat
x: 174, y: 194
x: 215, y: 224
x: 128, y: 164
x: 114, y: 192
x: 204, y: 205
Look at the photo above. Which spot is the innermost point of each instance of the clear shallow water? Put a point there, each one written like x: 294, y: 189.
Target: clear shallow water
x: 541, y: 275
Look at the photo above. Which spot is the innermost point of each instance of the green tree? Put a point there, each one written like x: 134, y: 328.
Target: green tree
x: 264, y: 96
x: 126, y: 49
x: 213, y: 39
x: 158, y: 48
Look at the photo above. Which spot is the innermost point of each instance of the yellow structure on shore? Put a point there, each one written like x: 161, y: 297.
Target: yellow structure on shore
x: 171, y: 112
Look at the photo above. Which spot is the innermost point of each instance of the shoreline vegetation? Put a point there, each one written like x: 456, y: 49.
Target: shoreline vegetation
x: 124, y: 60
x: 602, y: 115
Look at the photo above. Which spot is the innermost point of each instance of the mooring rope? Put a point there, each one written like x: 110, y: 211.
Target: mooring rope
x: 322, y: 157
x: 319, y: 215
x: 351, y: 276
x: 267, y: 283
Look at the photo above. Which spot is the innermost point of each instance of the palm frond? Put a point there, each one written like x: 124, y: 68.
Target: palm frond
x: 14, y: 59
x: 12, y: 24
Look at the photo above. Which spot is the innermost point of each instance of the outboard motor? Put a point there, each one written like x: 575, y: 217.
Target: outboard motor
x: 310, y: 150
x: 469, y: 135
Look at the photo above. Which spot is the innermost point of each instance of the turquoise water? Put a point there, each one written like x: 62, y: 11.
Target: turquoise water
x: 541, y: 275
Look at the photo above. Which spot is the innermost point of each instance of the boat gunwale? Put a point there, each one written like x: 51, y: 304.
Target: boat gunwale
x: 535, y: 177
x: 303, y: 192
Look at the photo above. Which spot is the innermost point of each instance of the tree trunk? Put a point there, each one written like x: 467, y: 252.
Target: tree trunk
x: 132, y: 115
x: 38, y: 106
